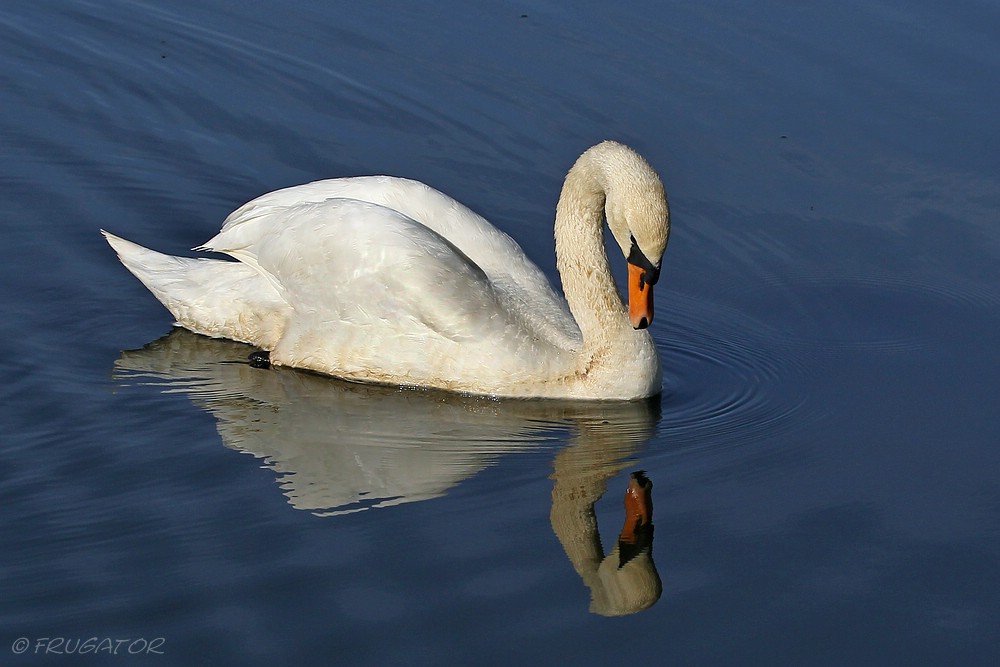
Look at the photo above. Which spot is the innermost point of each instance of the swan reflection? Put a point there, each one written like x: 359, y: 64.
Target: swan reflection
x: 340, y: 447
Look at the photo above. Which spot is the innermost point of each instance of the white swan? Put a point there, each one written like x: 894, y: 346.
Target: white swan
x: 381, y: 279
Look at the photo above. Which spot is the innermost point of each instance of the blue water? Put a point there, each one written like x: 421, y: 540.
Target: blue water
x: 824, y: 455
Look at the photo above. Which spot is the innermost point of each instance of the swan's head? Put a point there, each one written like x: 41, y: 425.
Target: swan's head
x: 639, y: 219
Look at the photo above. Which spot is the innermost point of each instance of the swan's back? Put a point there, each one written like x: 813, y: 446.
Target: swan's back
x: 520, y: 284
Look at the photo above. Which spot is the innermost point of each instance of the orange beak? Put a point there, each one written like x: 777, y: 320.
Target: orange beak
x: 640, y: 297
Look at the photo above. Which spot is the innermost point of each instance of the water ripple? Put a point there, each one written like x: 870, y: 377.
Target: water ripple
x: 739, y: 375
x: 726, y: 381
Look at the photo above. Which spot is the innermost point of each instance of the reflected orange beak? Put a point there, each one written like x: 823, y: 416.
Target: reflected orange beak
x: 640, y: 297
x: 638, y: 507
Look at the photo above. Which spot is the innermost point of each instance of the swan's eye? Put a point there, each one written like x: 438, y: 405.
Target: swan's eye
x: 651, y: 272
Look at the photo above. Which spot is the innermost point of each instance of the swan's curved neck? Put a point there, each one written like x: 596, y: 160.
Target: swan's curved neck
x: 581, y: 258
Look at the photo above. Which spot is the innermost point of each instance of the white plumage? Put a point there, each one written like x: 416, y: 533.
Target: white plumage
x: 384, y: 279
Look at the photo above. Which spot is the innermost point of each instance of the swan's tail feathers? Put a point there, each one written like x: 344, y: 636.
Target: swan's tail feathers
x: 215, y: 297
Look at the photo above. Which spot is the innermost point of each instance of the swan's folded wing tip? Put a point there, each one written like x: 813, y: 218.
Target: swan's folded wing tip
x: 117, y: 243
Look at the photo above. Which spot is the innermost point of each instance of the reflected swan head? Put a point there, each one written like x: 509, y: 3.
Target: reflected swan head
x: 625, y: 589
x: 627, y: 580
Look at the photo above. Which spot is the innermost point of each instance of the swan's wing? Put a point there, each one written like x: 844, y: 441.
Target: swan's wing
x: 361, y: 269
x: 518, y: 282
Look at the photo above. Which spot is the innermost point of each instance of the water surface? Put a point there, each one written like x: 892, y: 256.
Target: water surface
x: 823, y: 455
